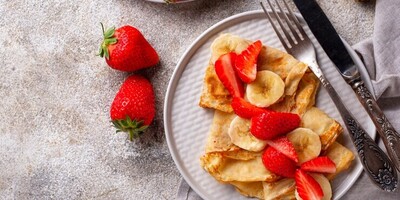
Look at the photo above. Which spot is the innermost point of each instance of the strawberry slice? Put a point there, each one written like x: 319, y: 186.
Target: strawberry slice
x: 226, y: 74
x: 278, y: 163
x: 246, y: 62
x: 284, y: 146
x: 269, y: 125
x: 307, y: 186
x: 245, y: 109
x: 322, y: 164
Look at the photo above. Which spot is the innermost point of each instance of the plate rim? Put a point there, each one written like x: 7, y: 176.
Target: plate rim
x: 185, y: 58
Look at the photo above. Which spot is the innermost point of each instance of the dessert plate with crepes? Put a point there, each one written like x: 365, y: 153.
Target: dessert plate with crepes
x: 198, y: 115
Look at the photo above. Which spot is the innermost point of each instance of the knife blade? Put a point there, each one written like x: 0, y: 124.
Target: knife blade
x: 326, y: 35
x: 332, y: 44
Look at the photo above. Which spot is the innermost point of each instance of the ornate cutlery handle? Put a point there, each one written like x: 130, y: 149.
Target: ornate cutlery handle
x: 376, y: 163
x: 389, y: 135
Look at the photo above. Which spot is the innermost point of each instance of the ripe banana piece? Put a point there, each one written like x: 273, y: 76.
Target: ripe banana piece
x: 266, y: 89
x: 226, y: 43
x: 306, y: 143
x: 239, y: 132
x: 324, y: 183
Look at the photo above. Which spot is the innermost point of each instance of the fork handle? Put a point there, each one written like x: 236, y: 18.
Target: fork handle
x: 376, y: 163
x: 389, y: 135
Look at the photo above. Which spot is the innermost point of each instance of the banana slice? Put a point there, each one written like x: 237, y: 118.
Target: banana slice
x: 266, y: 89
x: 324, y: 183
x: 239, y: 132
x: 226, y: 43
x: 306, y: 142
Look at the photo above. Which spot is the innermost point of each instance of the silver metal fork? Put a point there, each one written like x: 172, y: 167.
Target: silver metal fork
x: 296, y: 42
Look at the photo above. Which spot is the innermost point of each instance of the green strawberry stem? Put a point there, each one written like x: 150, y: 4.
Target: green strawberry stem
x: 133, y: 127
x: 108, y: 39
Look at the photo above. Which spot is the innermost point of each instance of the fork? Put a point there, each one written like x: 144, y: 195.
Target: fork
x: 375, y: 162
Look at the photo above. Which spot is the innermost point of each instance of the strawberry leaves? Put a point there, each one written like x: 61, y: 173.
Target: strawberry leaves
x: 133, y: 127
x: 108, y: 40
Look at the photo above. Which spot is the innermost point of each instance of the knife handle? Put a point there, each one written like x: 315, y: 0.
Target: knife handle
x: 378, y: 166
x: 376, y: 163
x: 389, y: 135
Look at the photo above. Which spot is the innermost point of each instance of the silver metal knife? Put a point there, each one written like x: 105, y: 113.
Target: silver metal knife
x: 336, y: 51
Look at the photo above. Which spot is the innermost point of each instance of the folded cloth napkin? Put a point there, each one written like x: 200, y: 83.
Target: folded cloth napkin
x: 381, y: 56
x: 186, y: 193
x: 381, y: 53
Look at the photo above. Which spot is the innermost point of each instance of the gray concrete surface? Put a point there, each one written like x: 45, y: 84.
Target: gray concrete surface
x: 56, y: 141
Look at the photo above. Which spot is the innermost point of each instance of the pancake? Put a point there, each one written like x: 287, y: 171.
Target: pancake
x: 227, y: 170
x: 214, y: 94
x: 341, y: 156
x: 282, y: 189
x: 249, y: 189
x: 327, y: 128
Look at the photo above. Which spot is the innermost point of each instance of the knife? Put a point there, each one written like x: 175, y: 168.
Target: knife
x: 330, y: 41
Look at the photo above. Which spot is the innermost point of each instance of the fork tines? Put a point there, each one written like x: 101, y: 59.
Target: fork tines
x: 292, y: 34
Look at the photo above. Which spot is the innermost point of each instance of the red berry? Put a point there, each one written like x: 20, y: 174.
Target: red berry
x: 246, y: 62
x: 278, y: 163
x: 307, y: 186
x: 321, y: 164
x: 133, y: 107
x: 244, y: 109
x: 284, y: 146
x: 269, y: 125
x: 126, y: 49
x: 226, y: 74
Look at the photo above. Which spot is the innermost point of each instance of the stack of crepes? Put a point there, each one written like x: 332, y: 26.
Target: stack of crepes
x: 230, y: 164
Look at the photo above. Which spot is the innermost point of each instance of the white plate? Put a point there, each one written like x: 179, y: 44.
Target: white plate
x: 187, y: 125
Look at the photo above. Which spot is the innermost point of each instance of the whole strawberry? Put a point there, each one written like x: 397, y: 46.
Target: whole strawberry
x: 133, y: 107
x: 126, y: 49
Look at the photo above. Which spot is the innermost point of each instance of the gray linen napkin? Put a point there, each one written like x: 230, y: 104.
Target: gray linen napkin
x: 186, y: 193
x: 381, y: 56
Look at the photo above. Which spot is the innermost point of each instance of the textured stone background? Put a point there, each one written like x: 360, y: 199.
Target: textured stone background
x: 55, y: 137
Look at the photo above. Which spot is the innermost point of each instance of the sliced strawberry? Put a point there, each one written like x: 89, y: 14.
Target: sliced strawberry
x: 246, y: 62
x: 284, y: 146
x: 226, y: 74
x: 269, y: 125
x: 321, y: 164
x: 278, y: 163
x: 245, y: 109
x: 307, y: 186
